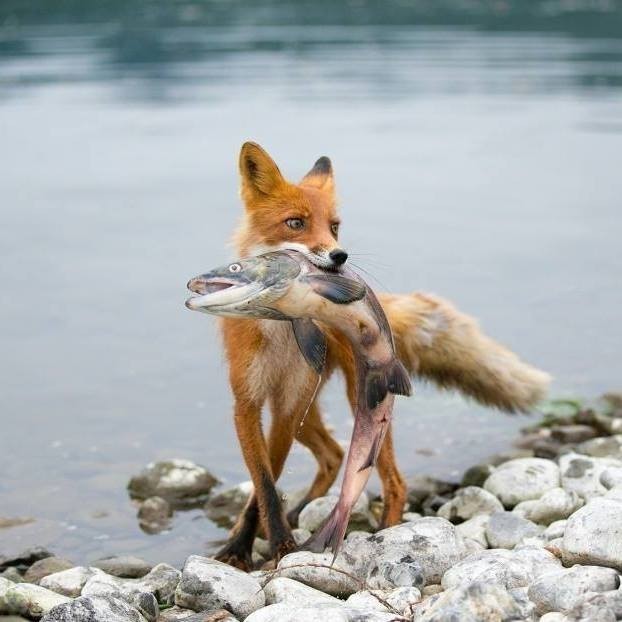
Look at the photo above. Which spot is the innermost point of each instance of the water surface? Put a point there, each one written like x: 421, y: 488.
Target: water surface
x: 476, y: 155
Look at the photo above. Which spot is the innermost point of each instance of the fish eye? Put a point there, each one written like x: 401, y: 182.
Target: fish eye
x: 335, y: 229
x: 295, y: 223
x: 235, y: 267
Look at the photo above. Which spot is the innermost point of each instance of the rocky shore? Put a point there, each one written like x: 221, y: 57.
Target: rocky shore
x: 532, y: 534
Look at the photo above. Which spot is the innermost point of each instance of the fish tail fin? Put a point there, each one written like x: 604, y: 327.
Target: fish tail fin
x: 330, y: 534
x: 393, y: 378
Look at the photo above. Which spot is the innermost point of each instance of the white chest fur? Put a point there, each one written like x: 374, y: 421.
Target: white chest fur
x: 278, y: 370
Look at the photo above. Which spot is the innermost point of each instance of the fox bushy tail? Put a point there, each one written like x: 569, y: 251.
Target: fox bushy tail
x: 439, y: 343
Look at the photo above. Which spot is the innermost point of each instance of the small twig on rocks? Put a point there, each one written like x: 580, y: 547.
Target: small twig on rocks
x: 362, y: 584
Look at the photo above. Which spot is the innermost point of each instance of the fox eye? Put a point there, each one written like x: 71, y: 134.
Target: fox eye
x: 235, y: 267
x: 295, y: 223
x: 335, y: 228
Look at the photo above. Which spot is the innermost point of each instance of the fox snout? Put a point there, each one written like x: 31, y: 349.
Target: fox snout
x: 338, y: 256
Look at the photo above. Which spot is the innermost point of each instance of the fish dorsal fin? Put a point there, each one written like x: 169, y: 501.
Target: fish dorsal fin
x: 312, y: 343
x: 336, y: 288
x: 398, y: 380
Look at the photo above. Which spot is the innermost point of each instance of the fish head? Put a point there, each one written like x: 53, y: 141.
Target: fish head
x: 245, y: 287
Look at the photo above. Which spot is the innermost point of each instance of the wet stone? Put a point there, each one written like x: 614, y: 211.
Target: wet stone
x: 12, y: 574
x: 224, y: 507
x: 476, y: 475
x: 576, y: 433
x: 154, y: 515
x: 124, y: 566
x: 176, y: 481
x: 24, y: 559
x: 46, y: 566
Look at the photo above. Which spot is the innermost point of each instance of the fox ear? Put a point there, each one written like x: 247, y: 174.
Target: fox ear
x: 320, y: 176
x: 258, y: 172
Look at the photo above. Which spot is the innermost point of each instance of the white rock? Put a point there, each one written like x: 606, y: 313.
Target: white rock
x: 93, y: 609
x: 510, y: 569
x: 611, y: 477
x: 5, y: 584
x: 210, y: 584
x: 434, y: 542
x: 401, y: 600
x: 318, y: 613
x: 69, y: 582
x: 144, y: 594
x: 522, y: 479
x: 556, y: 504
x: 469, y: 502
x: 555, y: 530
x: 598, y: 607
x: 593, y: 534
x: 161, y: 581
x: 368, y: 599
x: 30, y: 600
x: 614, y: 494
x: 318, y: 571
x: 564, y: 589
x: 581, y: 474
x: 475, y: 529
x: 284, y: 590
x: 524, y: 508
x: 475, y: 602
x: 316, y: 511
x: 114, y: 589
x: 393, y: 567
x: 505, y: 530
x: 300, y: 535
x: 554, y: 617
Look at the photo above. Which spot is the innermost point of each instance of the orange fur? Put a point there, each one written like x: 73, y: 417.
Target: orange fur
x: 434, y: 340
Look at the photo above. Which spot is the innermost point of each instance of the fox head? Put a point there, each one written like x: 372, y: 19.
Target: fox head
x: 280, y: 215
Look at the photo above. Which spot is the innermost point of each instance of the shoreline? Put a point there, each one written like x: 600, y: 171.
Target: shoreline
x: 534, y: 533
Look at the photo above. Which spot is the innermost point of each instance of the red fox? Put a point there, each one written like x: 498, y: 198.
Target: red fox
x: 434, y: 341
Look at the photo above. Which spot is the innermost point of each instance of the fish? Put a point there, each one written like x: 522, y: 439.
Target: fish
x: 284, y: 285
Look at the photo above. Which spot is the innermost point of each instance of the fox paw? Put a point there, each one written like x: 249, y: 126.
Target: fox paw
x: 284, y: 547
x: 236, y: 557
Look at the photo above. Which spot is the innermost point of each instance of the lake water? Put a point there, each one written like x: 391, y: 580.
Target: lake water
x: 477, y: 156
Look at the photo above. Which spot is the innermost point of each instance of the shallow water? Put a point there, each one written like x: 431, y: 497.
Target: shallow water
x: 476, y: 157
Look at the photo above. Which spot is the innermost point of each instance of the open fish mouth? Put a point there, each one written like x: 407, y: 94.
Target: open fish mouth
x: 218, y: 294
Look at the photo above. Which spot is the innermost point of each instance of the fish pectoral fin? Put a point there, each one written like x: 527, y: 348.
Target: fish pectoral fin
x: 398, y: 380
x: 312, y: 343
x: 336, y: 288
